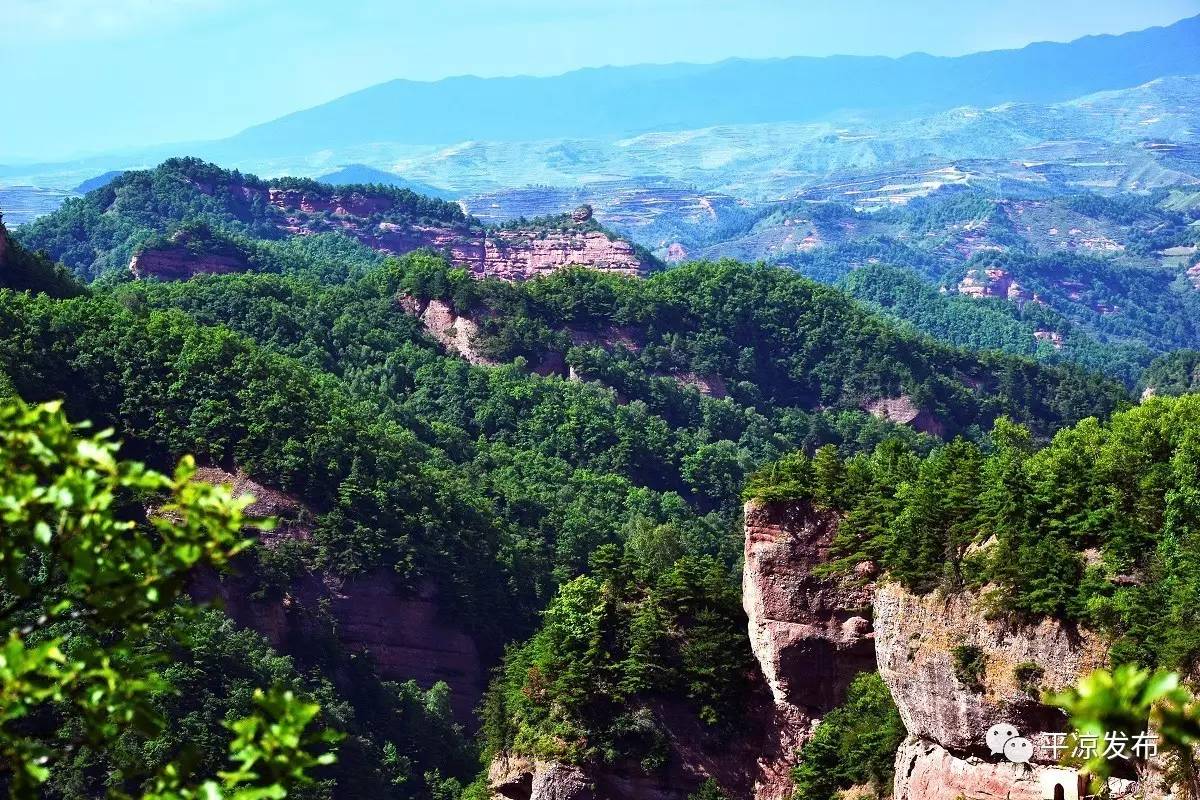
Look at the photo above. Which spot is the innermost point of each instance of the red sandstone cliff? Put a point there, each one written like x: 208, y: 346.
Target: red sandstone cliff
x: 506, y: 253
x: 812, y: 634
x: 512, y: 255
x: 382, y: 223
x: 404, y: 631
x: 177, y: 264
x: 185, y: 255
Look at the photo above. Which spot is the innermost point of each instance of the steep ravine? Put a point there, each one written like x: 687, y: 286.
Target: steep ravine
x: 810, y: 633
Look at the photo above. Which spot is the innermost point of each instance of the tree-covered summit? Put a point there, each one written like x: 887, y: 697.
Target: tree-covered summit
x: 100, y: 231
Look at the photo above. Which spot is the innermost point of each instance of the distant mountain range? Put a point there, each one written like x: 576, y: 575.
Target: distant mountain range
x: 624, y: 101
x: 665, y: 152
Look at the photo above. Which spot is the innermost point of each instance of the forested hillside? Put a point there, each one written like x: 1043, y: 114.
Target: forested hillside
x: 99, y: 232
x: 613, y: 468
x: 188, y: 217
x: 1108, y: 282
x: 1096, y: 526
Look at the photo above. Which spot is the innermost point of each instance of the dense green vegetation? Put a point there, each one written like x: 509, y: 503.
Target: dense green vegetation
x: 1151, y: 224
x: 1098, y: 525
x: 854, y: 745
x: 1115, y: 302
x: 579, y: 493
x: 413, y: 462
x: 85, y: 586
x: 1173, y: 374
x: 652, y: 621
x: 1116, y: 310
x: 100, y: 232
x: 992, y: 324
x: 776, y: 340
x: 34, y: 272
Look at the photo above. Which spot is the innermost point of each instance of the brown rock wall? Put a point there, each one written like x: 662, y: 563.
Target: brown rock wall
x: 811, y: 634
x: 178, y: 264
x: 403, y: 630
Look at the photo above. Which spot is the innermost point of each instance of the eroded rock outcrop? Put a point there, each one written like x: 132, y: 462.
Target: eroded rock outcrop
x: 904, y: 411
x: 513, y: 255
x: 520, y: 255
x: 3, y: 245
x: 916, y: 641
x: 187, y: 253
x: 526, y: 779
x: 384, y: 222
x: 339, y: 203
x: 454, y: 332
x: 923, y: 645
x: 179, y: 264
x: 951, y: 670
x: 810, y: 634
x: 403, y: 629
x: 507, y: 253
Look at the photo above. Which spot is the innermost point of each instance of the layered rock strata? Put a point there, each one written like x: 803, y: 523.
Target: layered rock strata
x: 921, y: 646
x: 179, y: 263
x: 403, y: 629
x: 507, y: 253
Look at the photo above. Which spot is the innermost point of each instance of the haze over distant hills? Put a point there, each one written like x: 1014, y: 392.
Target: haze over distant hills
x: 1103, y: 113
x: 622, y: 101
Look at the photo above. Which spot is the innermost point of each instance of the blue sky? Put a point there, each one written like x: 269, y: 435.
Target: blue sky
x: 84, y: 76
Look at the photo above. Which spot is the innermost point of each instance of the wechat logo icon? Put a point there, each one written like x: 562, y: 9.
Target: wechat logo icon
x: 1004, y: 739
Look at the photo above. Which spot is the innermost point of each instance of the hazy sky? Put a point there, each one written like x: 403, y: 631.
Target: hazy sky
x: 87, y: 75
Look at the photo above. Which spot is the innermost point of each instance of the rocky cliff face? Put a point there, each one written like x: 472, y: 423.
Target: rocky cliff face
x: 455, y: 333
x: 507, y: 253
x: 177, y: 264
x: 403, y: 630
x: 3, y: 245
x: 512, y: 255
x: 811, y: 635
x: 377, y: 221
x: 185, y: 255
x: 916, y: 640
x: 948, y: 710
